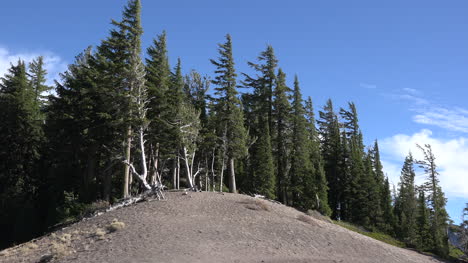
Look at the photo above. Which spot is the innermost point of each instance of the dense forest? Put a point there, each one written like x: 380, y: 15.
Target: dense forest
x: 120, y: 122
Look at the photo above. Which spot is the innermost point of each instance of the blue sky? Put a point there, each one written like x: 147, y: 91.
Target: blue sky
x: 404, y: 63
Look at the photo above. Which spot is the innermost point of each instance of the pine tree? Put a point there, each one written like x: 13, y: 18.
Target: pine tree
x: 437, y: 201
x: 230, y: 115
x: 115, y: 61
x: 282, y: 136
x: 424, y: 239
x: 258, y: 113
x: 37, y: 74
x: 158, y: 81
x: 302, y: 173
x: 263, y: 85
x: 384, y: 220
x: 21, y: 140
x: 353, y: 191
x: 329, y: 131
x: 320, y: 180
x: 405, y: 206
x: 263, y: 174
x: 387, y: 209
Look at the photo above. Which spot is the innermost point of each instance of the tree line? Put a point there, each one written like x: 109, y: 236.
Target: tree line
x: 117, y: 125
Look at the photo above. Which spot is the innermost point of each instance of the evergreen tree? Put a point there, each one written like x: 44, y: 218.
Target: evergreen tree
x: 405, y: 206
x: 387, y: 209
x: 21, y: 140
x: 116, y: 62
x: 282, y: 136
x: 158, y: 81
x: 258, y: 112
x: 320, y: 180
x: 302, y: 173
x: 424, y: 239
x: 265, y: 81
x: 437, y: 201
x: 37, y: 74
x: 353, y: 190
x: 263, y: 174
x: 329, y: 131
x: 228, y: 108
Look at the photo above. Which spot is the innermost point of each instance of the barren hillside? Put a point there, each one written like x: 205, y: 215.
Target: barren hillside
x: 207, y: 227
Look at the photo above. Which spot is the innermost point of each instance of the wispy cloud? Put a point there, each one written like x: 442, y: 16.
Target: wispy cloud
x: 454, y: 119
x: 451, y: 119
x: 54, y: 64
x: 367, y: 86
x: 413, y: 99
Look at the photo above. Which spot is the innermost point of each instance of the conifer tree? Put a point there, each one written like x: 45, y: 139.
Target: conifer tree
x: 282, y: 136
x: 424, y: 240
x: 320, y: 180
x: 437, y: 201
x: 263, y: 85
x: 114, y: 60
x: 176, y: 97
x: 158, y: 81
x: 263, y: 174
x: 258, y: 109
x: 228, y: 108
x: 37, y: 74
x: 353, y: 190
x: 387, y: 209
x: 20, y: 152
x: 405, y: 206
x: 302, y: 173
x: 329, y: 131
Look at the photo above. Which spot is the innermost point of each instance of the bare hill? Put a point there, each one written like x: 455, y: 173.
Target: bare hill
x: 207, y: 227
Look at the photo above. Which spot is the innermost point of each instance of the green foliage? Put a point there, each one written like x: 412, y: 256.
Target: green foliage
x: 405, y: 205
x: 375, y: 235
x: 331, y: 150
x: 282, y: 141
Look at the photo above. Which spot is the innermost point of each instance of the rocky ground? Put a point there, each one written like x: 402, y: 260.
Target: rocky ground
x: 207, y: 227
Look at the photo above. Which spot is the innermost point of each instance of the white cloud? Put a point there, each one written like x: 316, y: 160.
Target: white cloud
x: 54, y: 64
x: 413, y: 99
x: 451, y: 158
x: 454, y: 119
x: 451, y: 119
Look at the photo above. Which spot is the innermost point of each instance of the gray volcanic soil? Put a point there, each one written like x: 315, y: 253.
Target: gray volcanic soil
x: 208, y: 227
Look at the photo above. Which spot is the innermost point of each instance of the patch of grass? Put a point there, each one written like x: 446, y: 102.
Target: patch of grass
x: 375, y: 235
x: 65, y: 238
x: 115, y: 226
x: 455, y: 253
x: 60, y: 250
x: 100, y: 234
x: 33, y: 246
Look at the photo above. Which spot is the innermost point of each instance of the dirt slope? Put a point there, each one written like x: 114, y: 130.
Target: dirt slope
x: 208, y: 227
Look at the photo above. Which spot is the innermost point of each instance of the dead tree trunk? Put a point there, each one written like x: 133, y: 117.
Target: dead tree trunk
x: 221, y: 176
x: 232, y: 177
x: 128, y: 147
